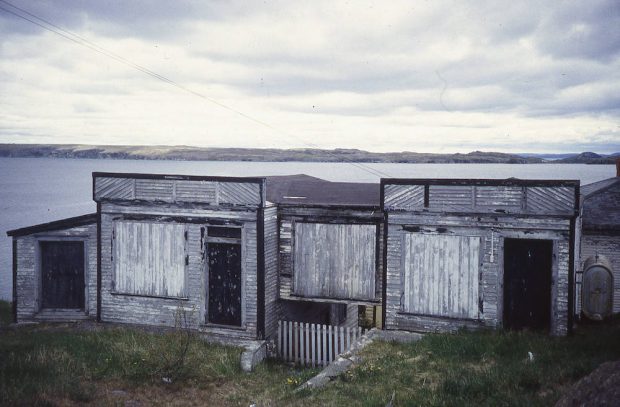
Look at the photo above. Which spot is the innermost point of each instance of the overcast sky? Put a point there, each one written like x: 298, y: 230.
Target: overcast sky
x: 427, y: 76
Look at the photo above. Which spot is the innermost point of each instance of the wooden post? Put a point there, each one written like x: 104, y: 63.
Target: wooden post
x: 329, y: 344
x: 313, y: 335
x: 324, y: 329
x: 280, y: 339
x: 342, y: 348
x: 302, y: 359
x: 348, y: 338
x: 295, y: 345
x: 290, y: 341
x: 307, y: 347
x: 336, y: 352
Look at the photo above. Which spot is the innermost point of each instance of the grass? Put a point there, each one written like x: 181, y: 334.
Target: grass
x: 59, y: 364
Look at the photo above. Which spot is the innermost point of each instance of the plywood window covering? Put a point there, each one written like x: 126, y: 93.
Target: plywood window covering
x: 150, y: 258
x: 440, y: 275
x: 334, y: 260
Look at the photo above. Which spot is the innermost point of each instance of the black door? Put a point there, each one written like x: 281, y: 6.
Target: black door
x: 62, y: 271
x: 224, y: 262
x: 527, y: 283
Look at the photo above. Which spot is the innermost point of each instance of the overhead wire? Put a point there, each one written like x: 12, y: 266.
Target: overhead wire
x: 68, y: 35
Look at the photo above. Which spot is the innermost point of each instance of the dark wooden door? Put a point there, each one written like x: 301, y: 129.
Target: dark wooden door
x: 62, y: 271
x: 527, y: 283
x: 224, y: 262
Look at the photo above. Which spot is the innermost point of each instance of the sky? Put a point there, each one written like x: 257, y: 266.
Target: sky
x: 423, y: 76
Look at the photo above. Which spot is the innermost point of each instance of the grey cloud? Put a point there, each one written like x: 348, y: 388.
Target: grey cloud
x: 582, y: 30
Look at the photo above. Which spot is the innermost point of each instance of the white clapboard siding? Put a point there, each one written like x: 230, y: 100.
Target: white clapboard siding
x: 335, y: 260
x: 440, y: 275
x: 314, y: 345
x: 149, y: 258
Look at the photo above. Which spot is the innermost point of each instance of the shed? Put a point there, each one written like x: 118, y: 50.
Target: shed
x: 479, y: 253
x: 329, y: 248
x: 600, y: 238
x: 193, y: 248
x: 55, y: 270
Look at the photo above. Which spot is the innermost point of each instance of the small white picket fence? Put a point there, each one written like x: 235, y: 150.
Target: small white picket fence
x: 314, y: 344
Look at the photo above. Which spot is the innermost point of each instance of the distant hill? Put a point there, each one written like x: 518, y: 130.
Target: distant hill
x: 548, y: 157
x: 251, y: 154
x: 590, y: 158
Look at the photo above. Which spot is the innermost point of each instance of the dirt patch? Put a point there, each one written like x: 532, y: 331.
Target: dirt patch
x: 599, y: 388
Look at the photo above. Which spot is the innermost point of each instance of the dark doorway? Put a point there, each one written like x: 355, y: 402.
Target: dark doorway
x: 527, y: 283
x: 62, y: 271
x: 224, y: 262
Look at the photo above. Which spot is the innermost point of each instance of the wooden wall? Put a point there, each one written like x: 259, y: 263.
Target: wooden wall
x: 217, y: 193
x: 191, y: 206
x: 491, y: 231
x: 272, y: 305
x: 470, y: 197
x: 313, y: 219
x: 28, y: 283
x: 440, y: 230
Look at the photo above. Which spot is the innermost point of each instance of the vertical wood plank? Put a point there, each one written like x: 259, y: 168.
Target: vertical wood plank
x: 307, y: 353
x: 324, y: 335
x: 290, y: 341
x: 313, y: 336
x: 329, y: 344
x: 336, y: 341
x: 280, y: 339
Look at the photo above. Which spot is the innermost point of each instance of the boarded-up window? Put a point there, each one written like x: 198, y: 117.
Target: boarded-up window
x: 335, y: 261
x: 149, y: 258
x: 440, y: 275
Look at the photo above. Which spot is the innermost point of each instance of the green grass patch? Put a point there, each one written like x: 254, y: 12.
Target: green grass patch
x: 37, y: 362
x: 474, y: 368
x: 52, y: 364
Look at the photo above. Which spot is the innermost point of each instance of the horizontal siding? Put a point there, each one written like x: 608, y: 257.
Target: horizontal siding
x: 196, y: 191
x: 448, y: 197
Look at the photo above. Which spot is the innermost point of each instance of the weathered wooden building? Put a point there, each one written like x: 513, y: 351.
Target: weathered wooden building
x: 235, y: 255
x: 479, y: 253
x: 598, y: 265
x: 329, y: 248
x: 55, y: 270
x: 183, y: 244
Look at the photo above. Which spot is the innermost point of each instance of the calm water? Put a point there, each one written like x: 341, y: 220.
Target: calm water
x: 37, y: 190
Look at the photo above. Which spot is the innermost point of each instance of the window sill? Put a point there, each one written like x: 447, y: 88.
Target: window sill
x: 163, y: 297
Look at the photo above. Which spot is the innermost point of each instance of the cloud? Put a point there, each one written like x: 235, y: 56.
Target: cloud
x: 421, y: 76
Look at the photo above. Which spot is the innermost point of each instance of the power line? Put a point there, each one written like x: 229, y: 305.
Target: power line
x: 68, y: 35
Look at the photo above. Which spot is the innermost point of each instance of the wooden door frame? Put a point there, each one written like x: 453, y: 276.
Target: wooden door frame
x: 243, y: 272
x: 554, y: 274
x: 39, y: 269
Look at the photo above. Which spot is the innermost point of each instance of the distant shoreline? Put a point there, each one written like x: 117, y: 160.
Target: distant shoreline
x: 184, y: 153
